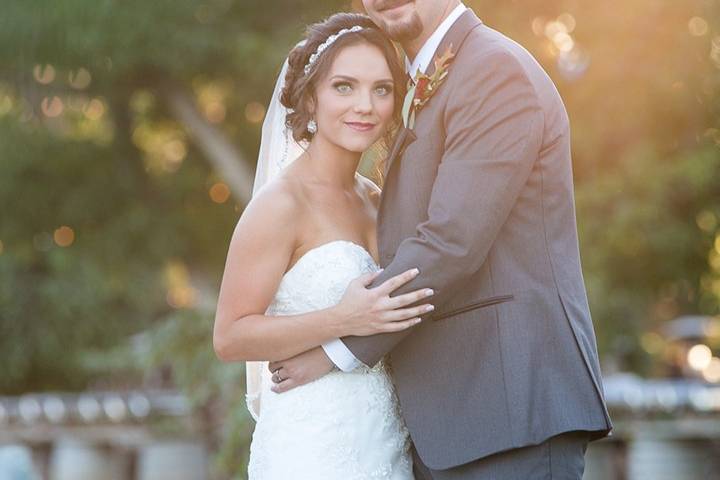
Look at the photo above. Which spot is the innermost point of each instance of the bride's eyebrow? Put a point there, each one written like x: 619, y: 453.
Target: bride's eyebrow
x: 355, y: 80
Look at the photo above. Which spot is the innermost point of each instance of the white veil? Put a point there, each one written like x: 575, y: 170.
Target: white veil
x: 278, y: 149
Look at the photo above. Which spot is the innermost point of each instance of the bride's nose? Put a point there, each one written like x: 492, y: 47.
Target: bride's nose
x: 363, y: 104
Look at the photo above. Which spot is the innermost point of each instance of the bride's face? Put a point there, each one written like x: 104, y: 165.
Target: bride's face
x: 355, y: 100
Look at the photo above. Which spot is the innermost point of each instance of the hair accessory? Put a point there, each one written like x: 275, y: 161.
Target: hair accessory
x: 330, y: 40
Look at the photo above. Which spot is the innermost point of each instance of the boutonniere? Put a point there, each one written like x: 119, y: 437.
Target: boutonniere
x: 424, y: 87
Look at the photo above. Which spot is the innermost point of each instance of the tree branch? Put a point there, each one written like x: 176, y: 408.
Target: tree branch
x: 222, y: 154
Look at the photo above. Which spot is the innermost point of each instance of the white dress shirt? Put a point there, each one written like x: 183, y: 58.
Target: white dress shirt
x: 427, y: 51
x: 335, y: 349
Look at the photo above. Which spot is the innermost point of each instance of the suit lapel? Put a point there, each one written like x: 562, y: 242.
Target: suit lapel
x: 455, y: 36
x: 403, y: 138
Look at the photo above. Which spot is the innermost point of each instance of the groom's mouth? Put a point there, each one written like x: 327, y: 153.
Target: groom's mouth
x: 360, y: 126
x: 392, y: 5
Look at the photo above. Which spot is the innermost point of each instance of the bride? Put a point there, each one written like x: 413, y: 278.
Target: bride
x: 304, y: 251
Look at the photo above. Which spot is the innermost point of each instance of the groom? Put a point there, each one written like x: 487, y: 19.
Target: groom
x: 502, y: 381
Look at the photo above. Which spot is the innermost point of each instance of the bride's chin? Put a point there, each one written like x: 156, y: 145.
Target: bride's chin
x: 356, y: 146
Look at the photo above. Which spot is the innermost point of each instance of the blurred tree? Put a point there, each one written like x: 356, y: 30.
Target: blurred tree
x: 121, y: 123
x: 126, y: 128
x: 651, y: 247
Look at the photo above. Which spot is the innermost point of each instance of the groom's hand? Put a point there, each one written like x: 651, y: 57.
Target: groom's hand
x: 300, y: 369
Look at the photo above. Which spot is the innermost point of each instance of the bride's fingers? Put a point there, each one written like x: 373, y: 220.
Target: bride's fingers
x: 368, y: 278
x: 402, y: 314
x: 277, y: 377
x: 402, y: 325
x: 283, y: 386
x: 408, y: 298
x: 391, y: 284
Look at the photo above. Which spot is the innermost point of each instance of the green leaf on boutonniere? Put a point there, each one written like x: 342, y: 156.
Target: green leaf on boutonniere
x: 407, y: 104
x: 424, y: 86
x: 411, y: 120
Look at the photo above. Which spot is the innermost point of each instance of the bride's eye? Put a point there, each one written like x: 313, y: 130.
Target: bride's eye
x: 342, y: 87
x: 384, y: 90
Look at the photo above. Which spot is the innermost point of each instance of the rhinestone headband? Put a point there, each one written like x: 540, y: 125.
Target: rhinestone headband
x: 323, y: 46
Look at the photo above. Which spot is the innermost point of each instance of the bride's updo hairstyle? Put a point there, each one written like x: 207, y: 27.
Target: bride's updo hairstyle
x: 300, y: 86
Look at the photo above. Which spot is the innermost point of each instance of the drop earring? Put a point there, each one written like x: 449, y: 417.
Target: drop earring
x: 312, y: 127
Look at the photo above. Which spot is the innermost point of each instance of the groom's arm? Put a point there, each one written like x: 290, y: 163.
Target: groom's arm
x: 494, y: 126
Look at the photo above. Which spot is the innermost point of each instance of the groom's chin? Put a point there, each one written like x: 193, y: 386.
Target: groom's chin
x: 405, y: 29
x: 399, y: 20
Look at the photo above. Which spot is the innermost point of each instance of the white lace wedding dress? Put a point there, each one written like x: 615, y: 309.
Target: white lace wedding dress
x: 342, y: 426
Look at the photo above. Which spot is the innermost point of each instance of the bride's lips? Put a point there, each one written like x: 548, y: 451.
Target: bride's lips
x: 360, y: 126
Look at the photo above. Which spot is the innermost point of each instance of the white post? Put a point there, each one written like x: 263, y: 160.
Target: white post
x: 173, y: 460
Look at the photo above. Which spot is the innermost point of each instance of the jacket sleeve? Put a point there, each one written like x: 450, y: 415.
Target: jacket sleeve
x: 494, y: 128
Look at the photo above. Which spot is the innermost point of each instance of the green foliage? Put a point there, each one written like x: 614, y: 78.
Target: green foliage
x: 183, y: 342
x: 56, y: 300
x: 103, y: 174
x: 646, y: 248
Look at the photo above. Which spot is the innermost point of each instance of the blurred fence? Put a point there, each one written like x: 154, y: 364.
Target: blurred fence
x: 664, y: 430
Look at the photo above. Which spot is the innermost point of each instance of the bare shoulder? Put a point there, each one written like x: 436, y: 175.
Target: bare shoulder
x: 274, y: 208
x: 370, y: 188
x: 277, y: 199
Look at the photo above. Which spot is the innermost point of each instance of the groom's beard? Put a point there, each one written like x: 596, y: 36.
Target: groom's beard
x: 400, y: 31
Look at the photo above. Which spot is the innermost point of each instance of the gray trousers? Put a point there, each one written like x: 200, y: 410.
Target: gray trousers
x: 561, y: 457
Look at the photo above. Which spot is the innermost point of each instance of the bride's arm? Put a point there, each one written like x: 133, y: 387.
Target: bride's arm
x: 261, y: 247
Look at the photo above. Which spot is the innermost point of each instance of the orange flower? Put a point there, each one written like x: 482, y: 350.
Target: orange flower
x: 424, y: 87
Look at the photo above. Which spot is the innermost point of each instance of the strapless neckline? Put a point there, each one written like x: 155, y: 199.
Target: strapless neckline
x: 326, y: 244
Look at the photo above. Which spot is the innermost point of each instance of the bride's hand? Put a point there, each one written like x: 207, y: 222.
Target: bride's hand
x: 363, y: 311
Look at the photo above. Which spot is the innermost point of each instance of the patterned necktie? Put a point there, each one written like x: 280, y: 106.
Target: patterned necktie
x: 409, y: 80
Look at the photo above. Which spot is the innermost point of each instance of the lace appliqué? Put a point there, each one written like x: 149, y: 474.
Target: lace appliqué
x: 344, y: 425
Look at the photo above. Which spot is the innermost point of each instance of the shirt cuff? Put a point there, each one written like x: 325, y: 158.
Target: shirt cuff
x: 340, y: 355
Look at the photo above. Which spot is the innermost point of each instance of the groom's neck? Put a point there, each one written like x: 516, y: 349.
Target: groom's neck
x: 412, y: 47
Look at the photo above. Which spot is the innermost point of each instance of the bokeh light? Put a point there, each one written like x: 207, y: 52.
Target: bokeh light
x: 698, y: 26
x: 699, y: 357
x: 44, y: 74
x: 215, y: 111
x: 212, y: 100
x: 95, y: 109
x: 706, y: 221
x: 568, y: 20
x: 164, y: 146
x: 180, y: 292
x: 52, y: 106
x: 219, y: 192
x: 711, y: 373
x: 79, y: 79
x: 254, y: 112
x: 6, y: 104
x: 64, y: 236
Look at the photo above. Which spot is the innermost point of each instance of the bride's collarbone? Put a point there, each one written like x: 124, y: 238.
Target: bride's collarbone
x: 329, y: 227
x: 329, y: 215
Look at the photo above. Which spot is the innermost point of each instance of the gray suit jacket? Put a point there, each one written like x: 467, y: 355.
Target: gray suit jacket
x: 480, y: 198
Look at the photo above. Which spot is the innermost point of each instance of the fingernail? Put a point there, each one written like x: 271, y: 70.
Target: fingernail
x: 418, y: 321
x: 430, y: 308
x: 429, y: 292
x: 415, y: 271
